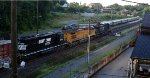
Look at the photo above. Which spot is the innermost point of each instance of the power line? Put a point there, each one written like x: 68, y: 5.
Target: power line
x: 37, y: 8
x: 136, y: 2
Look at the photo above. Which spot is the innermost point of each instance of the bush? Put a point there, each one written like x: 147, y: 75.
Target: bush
x: 93, y: 47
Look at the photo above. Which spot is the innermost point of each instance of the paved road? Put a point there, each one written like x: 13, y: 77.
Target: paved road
x: 71, y: 22
x: 117, y: 68
x: 73, y: 65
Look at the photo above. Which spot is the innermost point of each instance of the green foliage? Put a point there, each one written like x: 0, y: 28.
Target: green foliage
x: 73, y: 7
x: 84, y: 8
x: 116, y: 7
x: 5, y: 16
x: 136, y: 10
x: 134, y: 13
x: 26, y: 15
x: 108, y: 16
x: 96, y: 6
x: 47, y: 10
x: 103, y: 17
x: 93, y: 47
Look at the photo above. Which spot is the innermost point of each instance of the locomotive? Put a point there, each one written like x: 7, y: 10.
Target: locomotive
x: 46, y: 43
x: 30, y: 46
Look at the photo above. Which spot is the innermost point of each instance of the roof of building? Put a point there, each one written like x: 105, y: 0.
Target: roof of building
x: 142, y: 47
x: 146, y: 19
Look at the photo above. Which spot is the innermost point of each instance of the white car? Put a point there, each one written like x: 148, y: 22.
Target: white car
x: 117, y: 35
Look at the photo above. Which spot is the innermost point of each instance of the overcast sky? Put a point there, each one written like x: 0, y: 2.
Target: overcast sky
x: 109, y: 2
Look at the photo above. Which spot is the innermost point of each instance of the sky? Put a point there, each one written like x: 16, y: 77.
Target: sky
x: 109, y: 2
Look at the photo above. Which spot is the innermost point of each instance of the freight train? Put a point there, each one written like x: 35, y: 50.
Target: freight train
x: 139, y: 64
x: 46, y: 43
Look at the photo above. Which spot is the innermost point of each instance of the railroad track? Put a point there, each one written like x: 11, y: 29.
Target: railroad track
x: 32, y: 65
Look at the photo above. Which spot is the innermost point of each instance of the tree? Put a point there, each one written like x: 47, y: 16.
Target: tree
x: 5, y: 17
x: 62, y: 2
x: 84, y: 8
x: 96, y: 6
x: 26, y: 14
x: 146, y: 9
x: 116, y: 7
x: 73, y: 7
x: 134, y: 13
x: 59, y: 8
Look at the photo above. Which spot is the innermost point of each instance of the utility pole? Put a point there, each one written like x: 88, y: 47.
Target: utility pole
x: 37, y: 17
x: 111, y: 13
x: 88, y: 46
x: 79, y: 9
x: 79, y: 13
x: 14, y: 37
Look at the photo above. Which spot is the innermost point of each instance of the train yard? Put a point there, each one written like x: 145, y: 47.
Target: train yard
x: 35, y: 63
x: 72, y: 39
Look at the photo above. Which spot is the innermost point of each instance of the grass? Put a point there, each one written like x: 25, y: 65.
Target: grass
x: 56, y: 20
x: 107, y: 40
x: 128, y: 30
x: 93, y: 47
x: 84, y: 67
x: 60, y: 18
x: 47, y: 68
x: 101, y: 17
x: 99, y: 58
x: 42, y: 71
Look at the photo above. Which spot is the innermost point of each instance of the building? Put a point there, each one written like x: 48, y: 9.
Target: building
x: 65, y: 5
x: 140, y: 57
x: 106, y: 10
x: 96, y: 7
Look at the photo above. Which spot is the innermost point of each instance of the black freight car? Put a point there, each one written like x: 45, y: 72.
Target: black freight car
x: 102, y: 29
x: 38, y: 44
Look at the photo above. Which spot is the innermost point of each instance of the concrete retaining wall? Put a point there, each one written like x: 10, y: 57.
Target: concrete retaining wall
x: 96, y: 67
